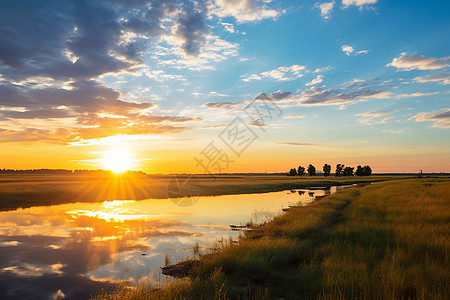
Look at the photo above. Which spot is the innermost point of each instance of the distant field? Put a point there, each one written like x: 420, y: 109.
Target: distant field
x: 31, y: 190
x: 389, y: 240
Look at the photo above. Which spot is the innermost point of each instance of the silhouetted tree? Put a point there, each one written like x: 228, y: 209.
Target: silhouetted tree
x: 367, y: 171
x: 311, y: 170
x: 348, y: 171
x: 339, y: 169
x: 326, y: 170
x: 363, y: 171
x: 300, y: 171
x: 293, y: 172
x: 359, y: 171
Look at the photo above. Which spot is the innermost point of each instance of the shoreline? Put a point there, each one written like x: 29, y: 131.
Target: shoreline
x: 44, y: 191
x: 388, y: 240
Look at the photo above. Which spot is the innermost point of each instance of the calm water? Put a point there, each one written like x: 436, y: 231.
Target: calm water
x: 73, y: 250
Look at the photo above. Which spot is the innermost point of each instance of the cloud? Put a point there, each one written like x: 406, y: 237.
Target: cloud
x: 280, y: 74
x: 229, y: 27
x: 317, y: 96
x: 417, y: 94
x: 372, y: 118
x: 316, y: 80
x: 276, y: 96
x: 443, y: 78
x: 407, y: 62
x: 53, y: 53
x: 441, y: 118
x: 325, y: 9
x: 293, y: 116
x: 319, y: 70
x: 243, y: 10
x: 191, y: 29
x: 214, y: 50
x: 378, y: 116
x: 221, y: 105
x: 94, y: 111
x: 359, y: 3
x: 314, y: 96
x: 349, y: 50
x: 393, y: 131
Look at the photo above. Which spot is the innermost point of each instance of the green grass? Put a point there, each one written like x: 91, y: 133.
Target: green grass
x: 389, y: 240
x: 32, y: 190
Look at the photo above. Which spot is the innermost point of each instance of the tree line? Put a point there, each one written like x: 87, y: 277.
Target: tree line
x: 341, y: 171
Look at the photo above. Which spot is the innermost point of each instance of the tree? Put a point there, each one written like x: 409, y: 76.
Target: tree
x: 348, y: 171
x: 326, y: 170
x: 300, y: 171
x: 339, y: 169
x: 363, y: 171
x: 367, y: 171
x: 311, y: 170
x: 359, y: 171
x: 293, y: 172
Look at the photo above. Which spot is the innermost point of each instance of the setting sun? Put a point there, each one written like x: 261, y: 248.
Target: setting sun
x: 118, y: 160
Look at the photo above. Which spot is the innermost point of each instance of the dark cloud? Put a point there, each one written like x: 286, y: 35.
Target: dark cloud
x: 97, y: 109
x: 52, y: 51
x: 191, y: 28
x: 83, y: 39
x: 276, y: 96
x: 83, y: 97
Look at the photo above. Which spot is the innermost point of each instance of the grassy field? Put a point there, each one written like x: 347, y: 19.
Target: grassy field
x: 389, y: 240
x: 32, y: 190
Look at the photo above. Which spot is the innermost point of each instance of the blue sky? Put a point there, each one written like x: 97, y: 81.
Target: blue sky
x: 365, y: 81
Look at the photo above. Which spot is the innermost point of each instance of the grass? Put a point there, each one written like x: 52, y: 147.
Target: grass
x: 31, y: 190
x: 389, y: 240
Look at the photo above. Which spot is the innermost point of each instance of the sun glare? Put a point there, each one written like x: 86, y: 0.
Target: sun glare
x: 118, y: 160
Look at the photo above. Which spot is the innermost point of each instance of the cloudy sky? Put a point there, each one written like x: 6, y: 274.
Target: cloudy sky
x: 225, y: 85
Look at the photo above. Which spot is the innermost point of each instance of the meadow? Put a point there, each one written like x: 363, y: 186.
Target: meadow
x: 32, y: 190
x: 388, y: 240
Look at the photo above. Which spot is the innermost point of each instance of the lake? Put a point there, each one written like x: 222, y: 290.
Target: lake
x: 74, y: 250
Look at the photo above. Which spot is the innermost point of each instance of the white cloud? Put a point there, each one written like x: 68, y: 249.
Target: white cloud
x: 443, y: 78
x: 325, y: 9
x: 393, y: 131
x: 214, y: 50
x: 359, y: 3
x: 293, y: 116
x: 319, y: 70
x: 372, y: 118
x: 348, y: 50
x: 418, y: 62
x: 316, y: 80
x: 243, y: 10
x: 417, y: 94
x: 229, y: 27
x: 279, y: 74
x: 441, y: 118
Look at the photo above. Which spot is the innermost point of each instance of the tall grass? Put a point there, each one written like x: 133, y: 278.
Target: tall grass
x: 390, y: 240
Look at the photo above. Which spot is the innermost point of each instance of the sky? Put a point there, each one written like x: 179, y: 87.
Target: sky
x: 224, y: 86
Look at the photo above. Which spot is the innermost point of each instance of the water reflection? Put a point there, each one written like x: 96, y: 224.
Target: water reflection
x: 73, y: 250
